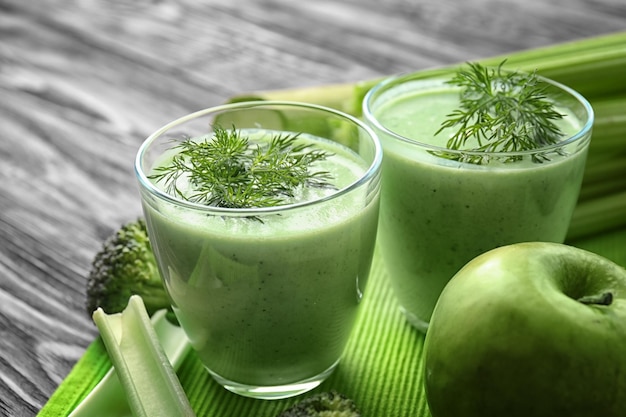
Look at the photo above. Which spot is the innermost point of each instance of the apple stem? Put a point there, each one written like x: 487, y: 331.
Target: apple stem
x: 604, y: 299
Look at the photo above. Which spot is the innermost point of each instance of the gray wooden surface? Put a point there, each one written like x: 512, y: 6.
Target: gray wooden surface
x: 82, y: 83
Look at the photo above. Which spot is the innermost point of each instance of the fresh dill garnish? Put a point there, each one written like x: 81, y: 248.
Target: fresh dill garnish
x: 229, y: 170
x: 500, y: 111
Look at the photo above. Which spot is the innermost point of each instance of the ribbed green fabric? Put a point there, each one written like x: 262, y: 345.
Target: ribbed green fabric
x: 381, y: 368
x: 85, y: 375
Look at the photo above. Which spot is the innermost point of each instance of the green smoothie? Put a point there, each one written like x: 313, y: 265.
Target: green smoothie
x: 438, y: 213
x: 270, y: 300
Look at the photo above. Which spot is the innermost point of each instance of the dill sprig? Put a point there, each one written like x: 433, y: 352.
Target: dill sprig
x: 501, y: 111
x: 229, y: 170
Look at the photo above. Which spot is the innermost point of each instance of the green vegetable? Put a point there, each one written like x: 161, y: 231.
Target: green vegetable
x: 229, y: 170
x: 324, y: 404
x: 598, y: 214
x: 108, y: 397
x: 124, y: 266
x: 151, y: 385
x: 594, y: 67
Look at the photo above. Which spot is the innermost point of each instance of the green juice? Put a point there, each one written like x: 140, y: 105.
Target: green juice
x: 270, y: 301
x: 437, y: 214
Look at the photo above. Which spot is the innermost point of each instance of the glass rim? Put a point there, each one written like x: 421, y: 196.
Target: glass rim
x: 388, y: 83
x: 372, y: 170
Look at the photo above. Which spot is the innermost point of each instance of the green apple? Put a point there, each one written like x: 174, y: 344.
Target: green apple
x: 532, y: 330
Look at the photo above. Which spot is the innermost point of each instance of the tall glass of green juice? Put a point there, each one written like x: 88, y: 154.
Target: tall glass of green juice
x: 268, y: 295
x: 440, y: 208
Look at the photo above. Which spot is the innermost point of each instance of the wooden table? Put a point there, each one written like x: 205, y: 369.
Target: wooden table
x: 82, y: 83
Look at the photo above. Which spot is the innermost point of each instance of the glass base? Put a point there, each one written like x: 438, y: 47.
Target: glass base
x: 274, y: 392
x: 415, y: 321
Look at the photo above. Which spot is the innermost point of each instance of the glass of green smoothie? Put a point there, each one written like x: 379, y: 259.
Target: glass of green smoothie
x: 451, y: 191
x: 263, y: 219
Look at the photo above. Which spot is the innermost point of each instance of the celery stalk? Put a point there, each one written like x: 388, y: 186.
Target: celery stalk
x: 609, y: 128
x: 594, y: 67
x: 610, y: 168
x: 151, y: 385
x: 337, y: 96
x: 598, y: 215
x: 601, y: 189
x: 108, y: 397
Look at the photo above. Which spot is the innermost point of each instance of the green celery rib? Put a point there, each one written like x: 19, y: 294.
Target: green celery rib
x: 108, y: 397
x: 593, y: 66
x: 598, y: 215
x: 609, y: 128
x: 611, y: 185
x: 610, y: 168
x: 149, y: 381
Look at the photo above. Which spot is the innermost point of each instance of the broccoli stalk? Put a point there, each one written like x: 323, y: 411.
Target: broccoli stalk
x: 125, y: 266
x: 324, y: 404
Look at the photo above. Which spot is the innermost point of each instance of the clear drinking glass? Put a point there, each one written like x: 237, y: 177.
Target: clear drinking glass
x: 438, y: 213
x: 268, y: 296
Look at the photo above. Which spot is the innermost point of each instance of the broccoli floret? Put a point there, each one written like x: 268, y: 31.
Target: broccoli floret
x: 125, y: 265
x: 324, y: 404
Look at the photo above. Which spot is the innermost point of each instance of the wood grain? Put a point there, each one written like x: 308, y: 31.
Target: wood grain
x: 82, y: 83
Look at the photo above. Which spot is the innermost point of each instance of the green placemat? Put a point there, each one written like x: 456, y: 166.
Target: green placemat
x: 381, y: 368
